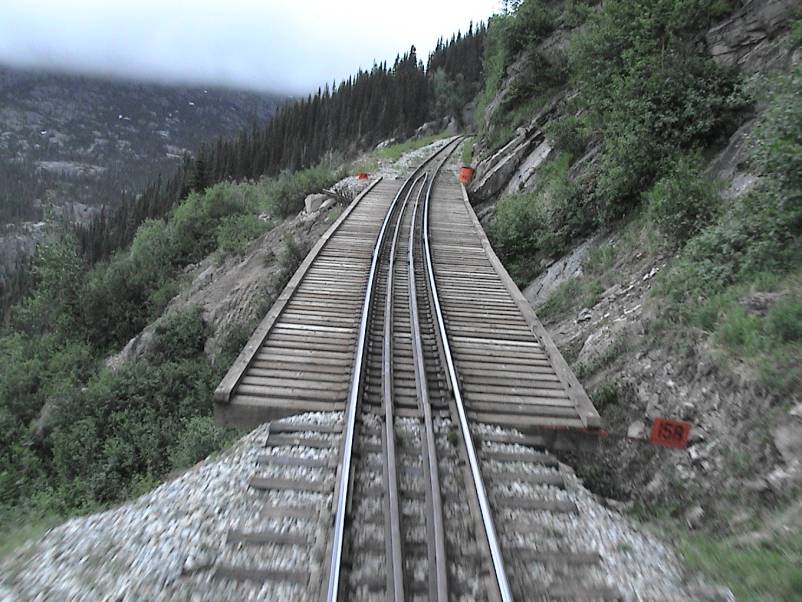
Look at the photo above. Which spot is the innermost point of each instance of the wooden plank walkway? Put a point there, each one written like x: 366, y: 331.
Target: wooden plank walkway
x: 510, y: 369
x: 300, y: 357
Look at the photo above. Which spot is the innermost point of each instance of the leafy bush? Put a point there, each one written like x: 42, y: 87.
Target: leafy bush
x: 117, y: 431
x: 199, y: 438
x: 531, y: 22
x: 180, y: 335
x: 576, y: 12
x: 649, y: 91
x: 758, y: 232
x: 494, y: 64
x: 235, y: 339
x: 197, y: 220
x: 55, y: 303
x: 683, y: 201
x: 568, y: 134
x: 292, y: 256
x: 777, y: 148
x: 520, y: 225
x: 235, y: 232
x: 507, y: 35
x: 286, y: 193
x: 784, y: 320
x: 754, y: 245
x: 542, y: 221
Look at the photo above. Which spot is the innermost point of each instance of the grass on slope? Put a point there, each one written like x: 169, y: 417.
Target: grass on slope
x: 394, y: 151
x: 769, y: 571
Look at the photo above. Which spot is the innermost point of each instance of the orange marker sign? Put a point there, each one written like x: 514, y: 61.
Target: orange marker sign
x: 670, y: 433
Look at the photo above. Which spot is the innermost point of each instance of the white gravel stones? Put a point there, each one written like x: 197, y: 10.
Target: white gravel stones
x: 165, y: 544
x: 366, y: 540
x: 409, y: 160
x: 463, y: 566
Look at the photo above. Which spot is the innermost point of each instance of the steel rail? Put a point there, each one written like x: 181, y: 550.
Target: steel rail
x: 395, y: 576
x: 333, y: 586
x: 481, y: 492
x: 441, y: 570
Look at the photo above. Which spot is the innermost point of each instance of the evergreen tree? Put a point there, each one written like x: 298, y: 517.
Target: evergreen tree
x: 355, y: 114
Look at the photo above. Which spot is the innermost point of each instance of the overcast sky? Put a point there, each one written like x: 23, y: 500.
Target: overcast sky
x: 263, y: 44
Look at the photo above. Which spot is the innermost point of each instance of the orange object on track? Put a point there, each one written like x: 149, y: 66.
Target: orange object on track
x: 465, y: 174
x: 362, y: 175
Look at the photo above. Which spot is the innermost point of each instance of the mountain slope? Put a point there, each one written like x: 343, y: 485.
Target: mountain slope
x: 76, y: 139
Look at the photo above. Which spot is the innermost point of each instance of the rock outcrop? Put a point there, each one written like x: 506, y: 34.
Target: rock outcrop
x: 752, y: 38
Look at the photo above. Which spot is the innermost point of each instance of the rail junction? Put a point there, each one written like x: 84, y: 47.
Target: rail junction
x: 392, y: 367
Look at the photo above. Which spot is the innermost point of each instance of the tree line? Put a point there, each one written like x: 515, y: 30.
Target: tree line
x: 374, y: 105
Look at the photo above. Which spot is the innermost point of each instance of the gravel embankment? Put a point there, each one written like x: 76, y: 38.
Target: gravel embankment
x: 165, y: 545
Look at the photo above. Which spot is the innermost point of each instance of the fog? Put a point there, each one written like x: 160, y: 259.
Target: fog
x: 281, y: 46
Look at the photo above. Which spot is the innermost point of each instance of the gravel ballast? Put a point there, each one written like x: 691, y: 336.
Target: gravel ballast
x: 165, y: 545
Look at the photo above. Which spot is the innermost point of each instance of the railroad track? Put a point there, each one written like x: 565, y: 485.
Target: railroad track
x: 406, y: 336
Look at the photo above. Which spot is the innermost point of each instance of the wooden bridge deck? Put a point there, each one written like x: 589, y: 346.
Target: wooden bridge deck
x: 511, y: 371
x: 301, y: 356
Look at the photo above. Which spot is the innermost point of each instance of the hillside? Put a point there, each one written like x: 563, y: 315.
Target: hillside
x: 637, y: 171
x: 76, y: 140
x: 128, y: 323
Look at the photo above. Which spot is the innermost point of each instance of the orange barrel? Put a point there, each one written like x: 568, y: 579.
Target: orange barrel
x: 465, y: 174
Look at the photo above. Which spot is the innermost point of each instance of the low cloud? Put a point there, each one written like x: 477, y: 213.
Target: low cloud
x: 281, y: 46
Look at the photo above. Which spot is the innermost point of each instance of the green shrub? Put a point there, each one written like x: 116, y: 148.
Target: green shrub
x: 55, y: 303
x: 160, y: 297
x: 115, y: 434
x: 784, y: 320
x: 180, y: 335
x: 235, y: 232
x: 777, y: 147
x: 286, y: 193
x: 576, y: 12
x: 494, y: 64
x: 508, y: 34
x: 199, y: 437
x: 753, y: 246
x: 235, y: 339
x: 530, y: 23
x: 739, y: 330
x: 292, y: 256
x: 648, y: 91
x: 683, y: 201
x: 758, y: 232
x: 521, y: 225
x: 542, y: 221
x: 569, y: 134
x: 197, y: 219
